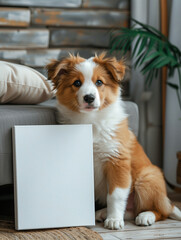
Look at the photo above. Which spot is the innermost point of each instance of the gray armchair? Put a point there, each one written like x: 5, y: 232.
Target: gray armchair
x: 41, y: 114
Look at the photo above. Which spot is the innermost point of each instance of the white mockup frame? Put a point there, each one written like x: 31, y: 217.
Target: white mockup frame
x: 53, y: 176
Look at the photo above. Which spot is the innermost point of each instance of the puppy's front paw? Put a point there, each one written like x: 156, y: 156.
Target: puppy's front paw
x: 114, y: 223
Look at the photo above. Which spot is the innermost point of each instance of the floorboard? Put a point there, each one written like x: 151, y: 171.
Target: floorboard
x: 168, y: 229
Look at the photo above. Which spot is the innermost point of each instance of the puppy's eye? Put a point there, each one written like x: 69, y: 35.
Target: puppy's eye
x: 99, y: 83
x: 77, y: 83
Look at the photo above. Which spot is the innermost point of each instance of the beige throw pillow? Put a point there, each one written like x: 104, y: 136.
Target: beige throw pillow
x: 22, y: 85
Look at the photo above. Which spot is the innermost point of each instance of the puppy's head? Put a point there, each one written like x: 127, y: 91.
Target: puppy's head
x: 85, y: 85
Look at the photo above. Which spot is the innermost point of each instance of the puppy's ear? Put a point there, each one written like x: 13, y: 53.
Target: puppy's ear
x: 116, y: 69
x: 55, y: 70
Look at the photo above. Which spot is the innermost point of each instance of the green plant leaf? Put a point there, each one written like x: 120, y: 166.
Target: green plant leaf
x: 151, y: 50
x: 149, y: 78
x: 125, y: 45
x: 150, y: 29
x: 138, y: 59
x: 170, y: 71
x: 151, y: 56
x: 173, y: 85
x: 118, y: 42
x: 150, y: 65
x: 162, y: 63
x: 148, y: 51
x: 115, y: 44
x: 136, y: 46
x: 142, y: 45
x: 174, y: 63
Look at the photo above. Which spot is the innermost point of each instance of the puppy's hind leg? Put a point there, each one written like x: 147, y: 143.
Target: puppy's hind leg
x: 101, y: 215
x: 151, y: 201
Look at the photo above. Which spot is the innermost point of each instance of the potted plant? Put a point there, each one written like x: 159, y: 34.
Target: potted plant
x: 151, y: 51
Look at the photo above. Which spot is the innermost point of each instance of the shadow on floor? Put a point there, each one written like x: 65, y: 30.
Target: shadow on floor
x: 6, y: 202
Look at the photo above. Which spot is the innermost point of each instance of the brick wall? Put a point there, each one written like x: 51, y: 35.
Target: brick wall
x: 34, y: 31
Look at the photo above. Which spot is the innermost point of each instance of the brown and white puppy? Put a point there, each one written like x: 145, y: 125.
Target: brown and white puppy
x: 88, y: 92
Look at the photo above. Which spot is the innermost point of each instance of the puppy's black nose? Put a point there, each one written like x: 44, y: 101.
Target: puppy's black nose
x: 89, y: 98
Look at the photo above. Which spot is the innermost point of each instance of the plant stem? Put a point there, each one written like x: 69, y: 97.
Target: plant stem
x: 179, y: 76
x: 179, y: 96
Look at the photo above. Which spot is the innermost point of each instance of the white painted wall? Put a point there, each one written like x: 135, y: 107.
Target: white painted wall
x: 173, y: 112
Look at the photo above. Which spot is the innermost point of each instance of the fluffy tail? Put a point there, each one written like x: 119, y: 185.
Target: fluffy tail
x: 175, y: 214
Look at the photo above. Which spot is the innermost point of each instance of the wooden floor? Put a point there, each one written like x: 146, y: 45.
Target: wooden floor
x: 168, y: 229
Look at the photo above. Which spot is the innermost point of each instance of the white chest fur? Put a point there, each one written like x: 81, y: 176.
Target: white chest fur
x: 104, y: 123
x: 104, y: 148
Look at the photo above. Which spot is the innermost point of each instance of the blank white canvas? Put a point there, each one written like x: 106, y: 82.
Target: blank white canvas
x: 53, y: 176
